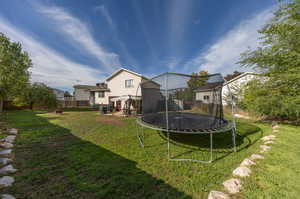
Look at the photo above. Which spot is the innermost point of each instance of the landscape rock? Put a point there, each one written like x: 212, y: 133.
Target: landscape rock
x: 13, y: 131
x: 242, y: 116
x: 4, y: 161
x: 233, y: 185
x: 264, y: 147
x: 7, y: 170
x: 6, y: 181
x: 247, y: 162
x: 242, y: 171
x: 5, y: 153
x: 269, y: 142
x: 10, y: 138
x: 6, y: 145
x: 275, y: 126
x: 269, y: 137
x: 256, y: 156
x: 217, y: 195
x: 263, y: 150
x: 7, y: 196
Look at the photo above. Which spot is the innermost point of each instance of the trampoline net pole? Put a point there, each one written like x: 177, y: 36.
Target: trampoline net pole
x: 167, y: 113
x: 233, y: 118
x: 233, y: 139
x: 140, y: 138
x: 211, y: 147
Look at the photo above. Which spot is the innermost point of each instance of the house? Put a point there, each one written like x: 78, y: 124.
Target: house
x: 85, y: 94
x: 116, y: 90
x: 236, y: 84
x: 60, y: 94
x: 206, y: 93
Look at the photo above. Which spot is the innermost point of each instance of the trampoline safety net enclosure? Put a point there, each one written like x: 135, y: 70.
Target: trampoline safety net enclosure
x: 180, y: 103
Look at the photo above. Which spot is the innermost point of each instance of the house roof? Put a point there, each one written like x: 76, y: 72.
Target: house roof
x: 92, y: 88
x: 58, y: 90
x: 124, y: 69
x: 208, y: 87
x: 240, y: 76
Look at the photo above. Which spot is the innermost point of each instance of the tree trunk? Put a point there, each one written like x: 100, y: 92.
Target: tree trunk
x: 31, y: 105
x: 1, y: 105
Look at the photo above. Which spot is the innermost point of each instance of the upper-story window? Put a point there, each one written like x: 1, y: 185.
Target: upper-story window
x: 101, y: 94
x: 129, y: 83
x: 206, y: 97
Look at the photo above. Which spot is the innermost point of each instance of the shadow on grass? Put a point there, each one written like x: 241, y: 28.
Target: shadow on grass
x: 222, y: 142
x: 53, y: 163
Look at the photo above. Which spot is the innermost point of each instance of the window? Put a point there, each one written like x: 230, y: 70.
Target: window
x: 129, y: 83
x: 206, y: 97
x: 101, y: 94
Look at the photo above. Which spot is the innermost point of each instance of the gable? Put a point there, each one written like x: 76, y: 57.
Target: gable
x: 123, y: 70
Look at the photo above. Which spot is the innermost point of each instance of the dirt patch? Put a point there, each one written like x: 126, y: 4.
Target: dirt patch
x: 111, y: 120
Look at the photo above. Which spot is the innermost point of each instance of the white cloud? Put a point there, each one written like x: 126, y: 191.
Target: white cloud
x: 179, y: 16
x: 223, y: 55
x: 171, y: 63
x: 106, y: 15
x: 49, y: 66
x: 114, y: 30
x: 144, y: 30
x: 78, y: 32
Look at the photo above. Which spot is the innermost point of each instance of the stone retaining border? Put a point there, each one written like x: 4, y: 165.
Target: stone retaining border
x: 234, y: 185
x: 6, y: 158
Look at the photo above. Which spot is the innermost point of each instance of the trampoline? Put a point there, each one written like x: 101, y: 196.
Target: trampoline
x: 184, y: 104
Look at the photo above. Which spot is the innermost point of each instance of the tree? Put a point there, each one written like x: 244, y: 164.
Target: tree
x: 67, y: 94
x: 38, y: 94
x: 278, y: 60
x: 229, y: 77
x: 195, y: 81
x: 14, y: 65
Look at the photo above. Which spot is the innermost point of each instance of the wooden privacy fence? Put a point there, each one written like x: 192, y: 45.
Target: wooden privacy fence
x: 70, y: 102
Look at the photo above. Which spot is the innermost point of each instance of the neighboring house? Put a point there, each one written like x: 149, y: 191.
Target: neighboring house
x: 206, y: 94
x: 86, y: 93
x: 117, y: 89
x: 236, y: 84
x: 60, y: 94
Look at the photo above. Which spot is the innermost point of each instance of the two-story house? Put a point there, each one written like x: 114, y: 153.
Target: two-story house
x: 116, y: 90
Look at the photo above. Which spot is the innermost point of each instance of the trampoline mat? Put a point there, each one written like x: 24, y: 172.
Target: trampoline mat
x: 181, y: 121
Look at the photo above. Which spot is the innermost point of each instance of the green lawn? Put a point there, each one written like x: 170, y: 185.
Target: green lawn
x: 86, y: 155
x: 278, y: 175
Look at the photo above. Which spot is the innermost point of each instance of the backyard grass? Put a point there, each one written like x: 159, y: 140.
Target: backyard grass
x: 87, y: 155
x: 278, y: 175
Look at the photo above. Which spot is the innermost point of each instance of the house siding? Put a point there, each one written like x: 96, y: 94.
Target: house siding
x: 200, y: 96
x: 81, y: 94
x: 60, y: 95
x: 239, y: 83
x: 117, y: 87
x: 117, y: 84
x: 101, y: 100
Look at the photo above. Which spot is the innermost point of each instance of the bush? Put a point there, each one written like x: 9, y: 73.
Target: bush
x: 278, y: 59
x: 262, y: 98
x: 39, y: 96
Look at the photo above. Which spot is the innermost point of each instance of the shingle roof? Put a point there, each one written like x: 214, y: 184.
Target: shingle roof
x: 92, y: 88
x: 209, y: 86
x: 124, y: 69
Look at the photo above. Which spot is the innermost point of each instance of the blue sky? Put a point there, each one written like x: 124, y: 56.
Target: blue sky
x: 82, y: 42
